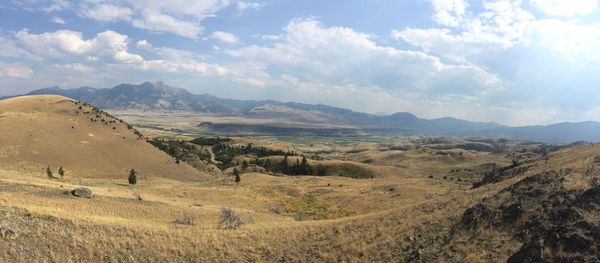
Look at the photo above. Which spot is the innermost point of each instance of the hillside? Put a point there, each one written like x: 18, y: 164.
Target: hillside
x: 41, y: 131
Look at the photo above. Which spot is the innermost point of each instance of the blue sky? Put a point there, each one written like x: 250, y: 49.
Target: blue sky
x: 515, y: 62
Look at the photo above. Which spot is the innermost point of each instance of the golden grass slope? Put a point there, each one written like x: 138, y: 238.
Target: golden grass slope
x: 41, y: 131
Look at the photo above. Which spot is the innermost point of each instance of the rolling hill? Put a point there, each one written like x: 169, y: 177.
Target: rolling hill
x: 49, y: 130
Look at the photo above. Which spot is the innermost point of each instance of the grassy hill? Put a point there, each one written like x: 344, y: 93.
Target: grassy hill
x: 47, y: 130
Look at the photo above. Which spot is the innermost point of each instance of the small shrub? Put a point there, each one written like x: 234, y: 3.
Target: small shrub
x: 61, y: 172
x: 276, y: 210
x: 300, y: 216
x: 186, y: 219
x: 229, y: 220
x: 137, y: 196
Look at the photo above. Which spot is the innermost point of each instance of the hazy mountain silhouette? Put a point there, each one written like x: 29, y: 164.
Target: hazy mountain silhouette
x: 161, y: 97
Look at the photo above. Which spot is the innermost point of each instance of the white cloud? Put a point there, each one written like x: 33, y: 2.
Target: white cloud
x: 9, y: 48
x: 570, y: 38
x: 179, y: 17
x: 143, y: 44
x: 225, y: 37
x: 158, y: 22
x: 242, y: 5
x: 340, y: 58
x: 270, y: 37
x: 107, y: 12
x: 15, y: 70
x: 63, y: 44
x: 506, y: 24
x: 57, y: 5
x: 77, y: 67
x: 449, y: 12
x: 58, y: 20
x: 566, y: 8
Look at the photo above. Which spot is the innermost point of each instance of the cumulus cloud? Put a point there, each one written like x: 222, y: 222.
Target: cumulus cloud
x: 112, y: 47
x: 225, y: 37
x: 449, y: 12
x: 179, y: 17
x: 64, y: 44
x: 501, y: 25
x: 15, y: 70
x: 341, y: 56
x: 566, y: 8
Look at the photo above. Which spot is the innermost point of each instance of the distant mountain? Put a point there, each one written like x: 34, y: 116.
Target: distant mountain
x: 559, y: 132
x: 161, y: 97
x: 146, y: 96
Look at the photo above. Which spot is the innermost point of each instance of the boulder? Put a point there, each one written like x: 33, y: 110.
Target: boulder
x: 82, y: 192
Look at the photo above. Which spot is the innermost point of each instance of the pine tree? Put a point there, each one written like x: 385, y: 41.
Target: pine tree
x: 132, y: 177
x: 61, y: 172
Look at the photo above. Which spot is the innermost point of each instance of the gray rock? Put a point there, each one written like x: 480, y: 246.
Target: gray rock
x: 8, y: 232
x: 82, y: 192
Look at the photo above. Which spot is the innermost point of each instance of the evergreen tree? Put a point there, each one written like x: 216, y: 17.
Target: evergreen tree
x: 305, y: 167
x: 61, y: 172
x: 267, y: 164
x: 49, y: 173
x: 244, y: 164
x: 132, y: 177
x: 237, y: 175
x: 284, y: 165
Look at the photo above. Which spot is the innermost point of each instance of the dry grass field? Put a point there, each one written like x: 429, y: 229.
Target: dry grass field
x: 418, y: 207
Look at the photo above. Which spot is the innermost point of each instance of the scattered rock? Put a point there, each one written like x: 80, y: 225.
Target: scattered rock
x: 7, y: 232
x: 82, y: 192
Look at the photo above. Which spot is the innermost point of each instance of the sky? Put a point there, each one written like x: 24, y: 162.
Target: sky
x: 515, y: 62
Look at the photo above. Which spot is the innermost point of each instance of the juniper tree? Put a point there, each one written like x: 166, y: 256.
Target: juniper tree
x: 49, y: 173
x: 237, y: 175
x: 132, y: 177
x: 61, y: 172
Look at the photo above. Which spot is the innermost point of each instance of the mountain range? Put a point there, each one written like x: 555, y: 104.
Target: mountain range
x: 161, y: 97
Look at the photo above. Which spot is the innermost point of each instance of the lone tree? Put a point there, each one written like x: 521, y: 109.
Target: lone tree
x: 61, y: 172
x: 49, y: 173
x: 132, y: 177
x: 237, y: 175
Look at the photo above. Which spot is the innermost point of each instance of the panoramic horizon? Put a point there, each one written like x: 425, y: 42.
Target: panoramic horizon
x: 300, y: 131
x: 510, y: 62
x: 375, y: 114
